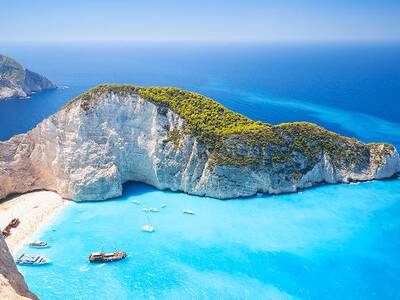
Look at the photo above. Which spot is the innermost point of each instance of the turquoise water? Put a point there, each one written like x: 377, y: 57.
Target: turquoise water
x: 330, y: 242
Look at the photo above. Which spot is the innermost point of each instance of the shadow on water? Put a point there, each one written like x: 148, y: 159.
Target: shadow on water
x: 135, y: 188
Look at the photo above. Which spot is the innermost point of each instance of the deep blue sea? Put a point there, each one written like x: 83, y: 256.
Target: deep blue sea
x: 329, y: 242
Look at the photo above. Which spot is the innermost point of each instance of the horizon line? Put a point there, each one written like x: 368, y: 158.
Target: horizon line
x: 212, y: 41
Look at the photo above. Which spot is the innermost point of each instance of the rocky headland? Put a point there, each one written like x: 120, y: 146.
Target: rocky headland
x: 182, y: 141
x: 18, y: 82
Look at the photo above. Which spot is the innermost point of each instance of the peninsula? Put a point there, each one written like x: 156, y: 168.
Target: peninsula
x: 18, y: 82
x: 182, y: 141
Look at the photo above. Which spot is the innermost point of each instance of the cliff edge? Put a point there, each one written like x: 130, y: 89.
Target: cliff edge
x: 12, y: 283
x: 18, y: 82
x: 182, y: 141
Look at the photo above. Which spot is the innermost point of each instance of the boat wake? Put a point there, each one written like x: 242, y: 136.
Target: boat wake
x: 84, y: 269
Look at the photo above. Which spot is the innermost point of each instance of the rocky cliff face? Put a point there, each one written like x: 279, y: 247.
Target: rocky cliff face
x: 18, y: 82
x: 12, y: 284
x: 112, y: 135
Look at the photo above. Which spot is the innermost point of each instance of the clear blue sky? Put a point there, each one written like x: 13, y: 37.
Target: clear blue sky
x: 205, y: 20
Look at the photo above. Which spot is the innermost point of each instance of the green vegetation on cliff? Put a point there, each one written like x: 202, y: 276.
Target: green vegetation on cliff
x: 233, y: 139
x: 206, y: 118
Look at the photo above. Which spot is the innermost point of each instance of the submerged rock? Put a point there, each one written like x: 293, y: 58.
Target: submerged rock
x: 18, y: 82
x: 182, y: 141
x: 12, y: 283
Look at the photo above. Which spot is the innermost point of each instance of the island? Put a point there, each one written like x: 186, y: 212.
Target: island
x: 18, y: 82
x: 181, y: 141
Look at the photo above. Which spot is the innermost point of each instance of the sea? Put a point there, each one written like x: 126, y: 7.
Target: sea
x: 328, y: 242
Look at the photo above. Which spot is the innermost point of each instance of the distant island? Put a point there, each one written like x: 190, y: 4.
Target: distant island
x: 18, y: 82
x: 182, y: 141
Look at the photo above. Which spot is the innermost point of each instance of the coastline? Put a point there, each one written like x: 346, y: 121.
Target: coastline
x: 35, y: 211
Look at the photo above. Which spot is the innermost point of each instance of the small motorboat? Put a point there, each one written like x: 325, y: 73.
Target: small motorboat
x: 188, y: 212
x: 102, y: 257
x: 38, y: 244
x: 163, y: 205
x: 137, y: 202
x: 148, y: 228
x: 24, y: 259
x: 14, y: 223
x: 6, y: 232
x: 150, y: 209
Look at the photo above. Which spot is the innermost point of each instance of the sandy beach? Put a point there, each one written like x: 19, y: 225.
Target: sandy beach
x: 35, y: 210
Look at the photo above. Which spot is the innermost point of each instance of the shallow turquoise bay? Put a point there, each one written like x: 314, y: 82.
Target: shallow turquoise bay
x: 329, y: 242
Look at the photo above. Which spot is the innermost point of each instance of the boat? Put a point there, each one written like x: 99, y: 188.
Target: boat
x: 148, y: 228
x: 24, y: 259
x: 188, y: 212
x: 38, y: 244
x: 6, y: 232
x: 163, y: 205
x: 137, y: 202
x: 150, y: 209
x: 14, y: 223
x: 102, y: 257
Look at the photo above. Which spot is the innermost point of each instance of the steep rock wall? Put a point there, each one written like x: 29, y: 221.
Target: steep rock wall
x: 87, y: 152
x: 12, y: 283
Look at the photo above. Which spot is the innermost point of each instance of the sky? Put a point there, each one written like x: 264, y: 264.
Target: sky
x: 205, y: 20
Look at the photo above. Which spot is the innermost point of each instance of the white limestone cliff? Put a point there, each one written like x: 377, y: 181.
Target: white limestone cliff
x: 87, y: 153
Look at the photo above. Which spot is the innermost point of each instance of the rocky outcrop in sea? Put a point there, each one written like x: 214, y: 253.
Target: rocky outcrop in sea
x: 182, y: 141
x: 18, y: 82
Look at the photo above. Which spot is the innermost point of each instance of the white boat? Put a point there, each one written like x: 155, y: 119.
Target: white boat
x: 101, y: 257
x: 188, y: 212
x: 148, y: 228
x: 24, y: 259
x: 38, y: 244
x: 163, y: 205
x: 150, y: 209
x: 137, y: 202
